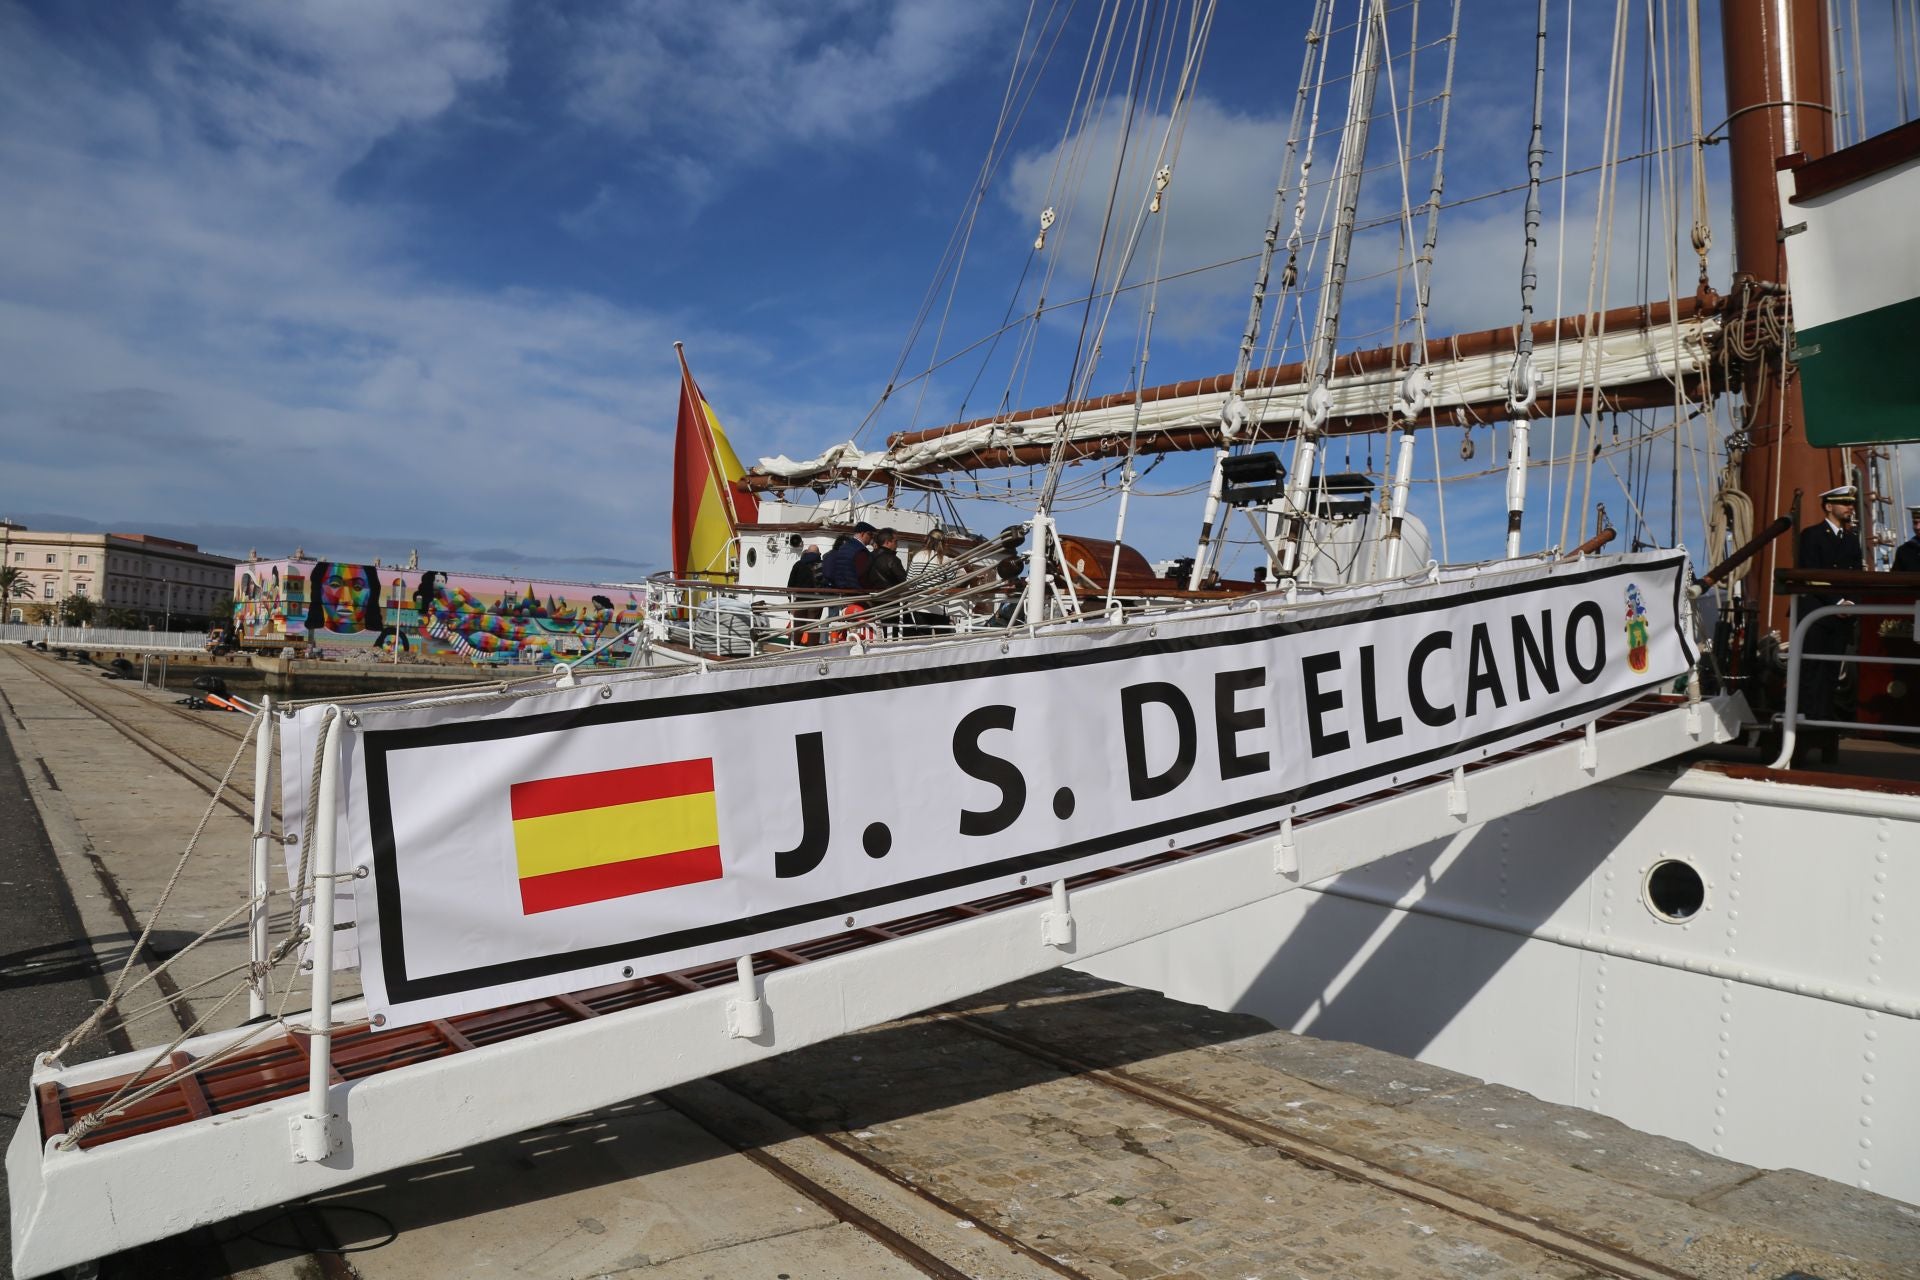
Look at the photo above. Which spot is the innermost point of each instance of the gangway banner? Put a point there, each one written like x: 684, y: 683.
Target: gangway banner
x: 512, y: 847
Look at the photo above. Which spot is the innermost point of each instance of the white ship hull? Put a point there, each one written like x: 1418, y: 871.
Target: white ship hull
x: 1777, y: 1026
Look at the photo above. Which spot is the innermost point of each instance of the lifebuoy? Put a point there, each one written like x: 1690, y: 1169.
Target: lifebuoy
x: 865, y: 632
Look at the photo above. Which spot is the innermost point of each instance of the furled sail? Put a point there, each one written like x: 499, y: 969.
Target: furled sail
x: 1634, y: 355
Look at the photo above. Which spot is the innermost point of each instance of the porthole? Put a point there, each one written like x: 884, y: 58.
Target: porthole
x: 1674, y: 891
x: 753, y: 557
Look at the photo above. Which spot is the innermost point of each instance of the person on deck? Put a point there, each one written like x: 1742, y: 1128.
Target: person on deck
x: 933, y: 563
x: 1013, y: 590
x: 1906, y: 557
x: 846, y: 565
x: 883, y: 567
x: 1831, y: 544
x: 806, y: 575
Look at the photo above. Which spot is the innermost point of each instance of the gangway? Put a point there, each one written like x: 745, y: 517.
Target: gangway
x: 241, y: 1123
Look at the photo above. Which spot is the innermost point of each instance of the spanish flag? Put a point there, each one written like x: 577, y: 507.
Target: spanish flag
x: 709, y: 503
x: 589, y: 837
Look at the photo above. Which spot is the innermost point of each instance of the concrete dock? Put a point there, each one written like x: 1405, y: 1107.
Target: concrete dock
x: 1062, y: 1126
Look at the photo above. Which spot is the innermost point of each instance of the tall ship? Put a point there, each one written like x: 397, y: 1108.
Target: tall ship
x: 1620, y: 806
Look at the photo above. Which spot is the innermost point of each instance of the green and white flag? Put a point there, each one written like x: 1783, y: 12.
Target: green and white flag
x: 1853, y: 261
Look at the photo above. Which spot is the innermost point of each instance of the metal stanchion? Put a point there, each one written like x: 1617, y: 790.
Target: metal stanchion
x: 262, y: 821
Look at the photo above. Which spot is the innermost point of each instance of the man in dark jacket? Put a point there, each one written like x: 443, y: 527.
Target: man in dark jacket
x: 845, y: 568
x: 1906, y: 557
x: 884, y: 568
x: 805, y: 576
x: 1831, y: 544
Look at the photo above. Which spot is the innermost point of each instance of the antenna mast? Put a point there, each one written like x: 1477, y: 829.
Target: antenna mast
x: 1523, y: 384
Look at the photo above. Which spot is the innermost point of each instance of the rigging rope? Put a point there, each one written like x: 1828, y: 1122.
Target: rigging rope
x: 139, y: 947
x: 1320, y: 360
x: 989, y: 165
x: 1172, y: 137
x: 1149, y: 14
x: 1233, y: 413
x: 1599, y: 265
x: 979, y: 195
x: 1151, y: 306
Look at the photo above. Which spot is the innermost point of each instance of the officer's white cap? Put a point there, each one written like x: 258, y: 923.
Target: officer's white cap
x: 1841, y: 493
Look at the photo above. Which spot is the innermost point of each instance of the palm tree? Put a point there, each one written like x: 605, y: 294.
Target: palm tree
x: 12, y: 583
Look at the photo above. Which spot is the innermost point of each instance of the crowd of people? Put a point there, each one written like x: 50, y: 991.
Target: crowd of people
x: 868, y: 561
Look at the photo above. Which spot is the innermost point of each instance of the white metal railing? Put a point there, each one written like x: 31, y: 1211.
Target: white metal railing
x: 103, y: 637
x: 1799, y: 628
x: 727, y: 620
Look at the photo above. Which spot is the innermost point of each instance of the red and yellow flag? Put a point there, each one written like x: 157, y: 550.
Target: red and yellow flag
x: 589, y: 837
x: 709, y: 503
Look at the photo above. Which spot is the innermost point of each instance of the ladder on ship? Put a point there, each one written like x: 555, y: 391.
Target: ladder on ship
x: 242, y: 1122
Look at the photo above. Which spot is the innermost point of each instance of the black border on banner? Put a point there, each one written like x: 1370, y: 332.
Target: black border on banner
x: 377, y: 744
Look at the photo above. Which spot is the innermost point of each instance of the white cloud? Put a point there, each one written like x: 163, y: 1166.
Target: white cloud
x: 1216, y: 204
x: 742, y: 76
x: 327, y: 77
x: 197, y: 324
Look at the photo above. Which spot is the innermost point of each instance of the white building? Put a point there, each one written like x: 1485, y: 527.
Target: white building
x: 162, y: 580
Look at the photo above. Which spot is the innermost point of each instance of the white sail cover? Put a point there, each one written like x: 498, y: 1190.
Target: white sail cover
x: 1662, y: 352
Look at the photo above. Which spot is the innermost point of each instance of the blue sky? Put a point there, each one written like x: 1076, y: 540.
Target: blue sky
x: 365, y: 278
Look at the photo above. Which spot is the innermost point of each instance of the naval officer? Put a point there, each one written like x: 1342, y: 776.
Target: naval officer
x: 1906, y: 559
x: 1831, y: 544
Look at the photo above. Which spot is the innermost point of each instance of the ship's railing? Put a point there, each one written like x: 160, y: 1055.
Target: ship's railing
x: 1801, y: 622
x: 728, y: 619
x: 979, y: 588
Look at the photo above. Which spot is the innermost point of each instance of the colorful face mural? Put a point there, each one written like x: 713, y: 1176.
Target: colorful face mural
x: 339, y: 608
x: 346, y: 599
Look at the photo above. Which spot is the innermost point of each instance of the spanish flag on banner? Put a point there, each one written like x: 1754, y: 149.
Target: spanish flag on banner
x: 708, y: 500
x: 589, y: 837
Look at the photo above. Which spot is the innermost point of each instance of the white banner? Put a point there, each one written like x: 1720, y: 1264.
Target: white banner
x: 521, y: 846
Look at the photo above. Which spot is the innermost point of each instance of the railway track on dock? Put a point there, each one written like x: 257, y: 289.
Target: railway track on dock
x: 1596, y: 1257
x: 237, y: 797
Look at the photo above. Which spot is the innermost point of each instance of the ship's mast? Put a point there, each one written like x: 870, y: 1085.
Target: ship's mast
x: 1779, y: 87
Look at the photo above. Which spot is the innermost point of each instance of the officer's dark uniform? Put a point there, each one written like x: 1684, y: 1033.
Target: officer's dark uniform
x: 1822, y: 546
x: 1906, y: 557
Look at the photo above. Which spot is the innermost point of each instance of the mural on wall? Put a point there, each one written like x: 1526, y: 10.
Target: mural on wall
x: 260, y: 601
x: 338, y: 608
